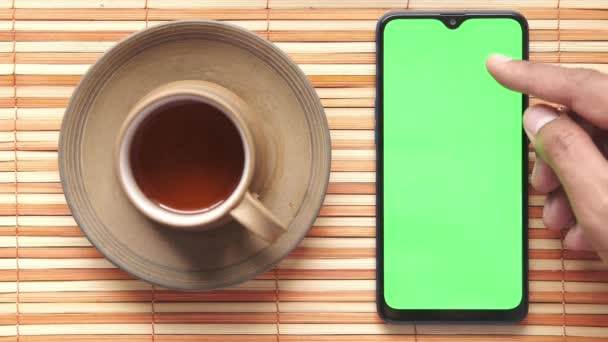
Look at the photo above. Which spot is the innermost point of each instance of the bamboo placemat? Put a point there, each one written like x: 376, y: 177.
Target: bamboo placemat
x: 55, y: 287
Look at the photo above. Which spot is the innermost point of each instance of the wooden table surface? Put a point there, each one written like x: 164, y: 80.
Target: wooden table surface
x: 55, y: 287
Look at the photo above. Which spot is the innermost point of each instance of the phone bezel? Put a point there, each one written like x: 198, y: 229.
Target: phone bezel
x: 399, y: 315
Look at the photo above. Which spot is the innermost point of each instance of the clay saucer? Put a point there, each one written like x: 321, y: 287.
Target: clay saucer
x: 291, y: 176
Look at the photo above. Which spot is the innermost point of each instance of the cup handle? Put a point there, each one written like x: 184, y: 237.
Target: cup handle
x: 252, y: 214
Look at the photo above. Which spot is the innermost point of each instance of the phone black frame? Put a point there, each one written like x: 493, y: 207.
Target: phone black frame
x: 480, y: 316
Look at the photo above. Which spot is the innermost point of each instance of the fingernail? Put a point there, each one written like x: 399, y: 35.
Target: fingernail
x: 536, y: 117
x: 575, y: 240
x: 500, y: 58
x: 570, y: 240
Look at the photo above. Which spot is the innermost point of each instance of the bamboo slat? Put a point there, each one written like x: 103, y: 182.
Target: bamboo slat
x: 78, y: 4
x: 415, y: 4
x: 335, y: 4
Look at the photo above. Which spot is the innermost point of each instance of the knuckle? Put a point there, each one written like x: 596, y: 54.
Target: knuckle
x: 585, y: 75
x: 583, y: 78
x: 596, y: 213
x: 601, y: 209
x: 559, y: 143
x: 590, y: 202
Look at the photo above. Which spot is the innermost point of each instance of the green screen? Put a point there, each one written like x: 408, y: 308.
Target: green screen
x: 452, y: 167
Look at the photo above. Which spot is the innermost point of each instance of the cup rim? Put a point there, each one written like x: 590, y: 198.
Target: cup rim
x: 156, y: 212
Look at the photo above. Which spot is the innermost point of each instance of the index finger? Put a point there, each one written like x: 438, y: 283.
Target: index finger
x: 583, y: 90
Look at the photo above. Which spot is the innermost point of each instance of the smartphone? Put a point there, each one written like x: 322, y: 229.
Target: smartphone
x: 451, y: 169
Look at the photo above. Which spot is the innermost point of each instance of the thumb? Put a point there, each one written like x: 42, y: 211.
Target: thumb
x: 577, y: 162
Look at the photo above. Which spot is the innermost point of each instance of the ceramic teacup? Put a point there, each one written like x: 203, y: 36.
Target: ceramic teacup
x: 240, y: 204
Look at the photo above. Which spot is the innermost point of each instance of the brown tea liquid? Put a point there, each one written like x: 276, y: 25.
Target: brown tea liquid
x: 187, y: 156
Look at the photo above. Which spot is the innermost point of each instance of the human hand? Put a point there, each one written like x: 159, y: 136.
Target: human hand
x: 571, y: 148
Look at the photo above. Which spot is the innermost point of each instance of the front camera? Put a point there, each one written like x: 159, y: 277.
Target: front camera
x: 453, y: 22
